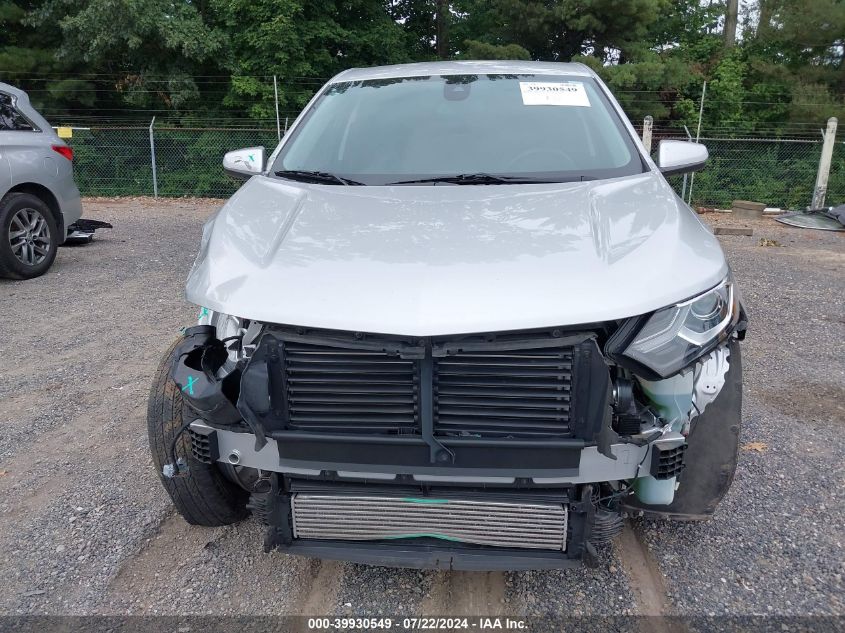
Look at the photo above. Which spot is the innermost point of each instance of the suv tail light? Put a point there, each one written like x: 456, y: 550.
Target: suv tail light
x: 64, y: 150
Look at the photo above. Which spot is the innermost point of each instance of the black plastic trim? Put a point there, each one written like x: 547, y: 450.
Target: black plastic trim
x: 428, y: 555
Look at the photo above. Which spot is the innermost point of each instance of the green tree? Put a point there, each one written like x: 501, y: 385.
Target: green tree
x: 152, y: 48
x: 558, y: 30
x: 28, y: 58
x: 303, y: 42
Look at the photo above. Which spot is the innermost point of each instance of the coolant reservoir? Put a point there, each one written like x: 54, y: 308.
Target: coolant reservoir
x: 672, y: 398
x: 655, y: 492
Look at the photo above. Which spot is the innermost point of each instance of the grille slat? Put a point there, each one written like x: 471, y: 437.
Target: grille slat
x: 536, y: 405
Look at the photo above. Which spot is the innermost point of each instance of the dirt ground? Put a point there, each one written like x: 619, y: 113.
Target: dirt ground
x: 86, y: 528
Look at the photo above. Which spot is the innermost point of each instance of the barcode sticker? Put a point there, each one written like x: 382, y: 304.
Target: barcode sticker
x: 559, y: 93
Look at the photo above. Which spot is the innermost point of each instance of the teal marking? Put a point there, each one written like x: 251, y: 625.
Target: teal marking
x: 416, y: 500
x: 190, y: 386
x: 203, y: 313
x: 442, y: 537
x: 251, y: 158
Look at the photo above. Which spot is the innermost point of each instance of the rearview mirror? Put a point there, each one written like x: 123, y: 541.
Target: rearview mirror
x: 680, y: 157
x: 243, y: 163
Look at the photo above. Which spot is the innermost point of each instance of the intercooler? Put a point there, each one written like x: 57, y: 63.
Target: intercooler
x: 372, y: 518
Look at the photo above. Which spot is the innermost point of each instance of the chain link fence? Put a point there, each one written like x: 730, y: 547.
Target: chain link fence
x: 117, y: 161
x: 778, y: 172
x: 111, y: 161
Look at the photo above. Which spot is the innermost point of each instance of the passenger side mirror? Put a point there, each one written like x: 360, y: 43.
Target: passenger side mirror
x: 680, y: 157
x: 243, y: 163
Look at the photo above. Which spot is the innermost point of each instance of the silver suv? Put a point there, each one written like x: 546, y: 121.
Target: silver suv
x: 457, y: 319
x: 39, y: 200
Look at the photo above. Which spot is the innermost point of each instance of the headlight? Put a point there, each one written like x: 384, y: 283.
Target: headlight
x: 232, y: 330
x: 675, y: 336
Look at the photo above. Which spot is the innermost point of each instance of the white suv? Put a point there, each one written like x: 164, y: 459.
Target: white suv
x: 458, y: 319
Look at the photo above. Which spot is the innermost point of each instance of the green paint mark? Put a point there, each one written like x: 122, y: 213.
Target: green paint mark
x: 416, y: 500
x: 203, y: 313
x: 442, y: 537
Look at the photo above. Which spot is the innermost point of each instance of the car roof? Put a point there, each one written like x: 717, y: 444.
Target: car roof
x: 504, y: 67
x: 11, y: 90
x: 23, y: 105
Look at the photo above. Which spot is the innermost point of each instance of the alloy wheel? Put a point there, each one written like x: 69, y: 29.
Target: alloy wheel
x: 29, y: 236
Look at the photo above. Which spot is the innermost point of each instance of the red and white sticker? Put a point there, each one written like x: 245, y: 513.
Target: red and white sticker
x: 558, y: 93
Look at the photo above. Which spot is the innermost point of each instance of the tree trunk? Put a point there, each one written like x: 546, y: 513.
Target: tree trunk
x: 731, y: 17
x: 441, y: 19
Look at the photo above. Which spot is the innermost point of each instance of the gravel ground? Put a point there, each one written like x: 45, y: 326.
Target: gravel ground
x: 86, y: 528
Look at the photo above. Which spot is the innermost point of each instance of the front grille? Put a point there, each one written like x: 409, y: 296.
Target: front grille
x: 373, y: 518
x: 525, y: 386
x: 521, y: 393
x: 337, y: 390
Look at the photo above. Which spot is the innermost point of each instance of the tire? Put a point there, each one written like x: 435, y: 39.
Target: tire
x: 205, y: 496
x: 27, y: 222
x: 712, y: 455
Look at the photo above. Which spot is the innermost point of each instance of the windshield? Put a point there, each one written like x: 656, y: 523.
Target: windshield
x: 485, y: 129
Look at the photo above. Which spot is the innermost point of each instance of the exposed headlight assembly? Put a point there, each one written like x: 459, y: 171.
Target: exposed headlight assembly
x: 674, y: 337
x: 238, y: 334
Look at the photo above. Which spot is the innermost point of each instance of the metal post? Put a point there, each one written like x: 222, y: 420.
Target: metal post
x: 286, y: 125
x: 701, y: 111
x: 697, y: 136
x: 276, y: 93
x: 648, y: 124
x: 684, y: 188
x: 153, y: 158
x: 820, y: 191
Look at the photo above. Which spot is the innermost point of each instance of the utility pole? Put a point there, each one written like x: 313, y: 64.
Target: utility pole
x: 731, y: 18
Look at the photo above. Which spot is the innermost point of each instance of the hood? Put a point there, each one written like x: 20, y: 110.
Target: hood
x: 431, y: 260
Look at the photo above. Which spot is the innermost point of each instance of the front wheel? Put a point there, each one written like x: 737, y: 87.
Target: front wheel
x: 204, y: 496
x: 28, y: 236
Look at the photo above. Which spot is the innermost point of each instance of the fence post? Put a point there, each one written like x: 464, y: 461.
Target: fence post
x: 153, y: 158
x: 648, y: 124
x: 684, y: 189
x: 276, y: 94
x: 820, y: 191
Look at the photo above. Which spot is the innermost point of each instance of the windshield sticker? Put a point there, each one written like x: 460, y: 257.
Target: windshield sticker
x: 559, y: 93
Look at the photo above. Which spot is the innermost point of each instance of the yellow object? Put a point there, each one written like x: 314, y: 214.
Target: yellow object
x: 64, y: 132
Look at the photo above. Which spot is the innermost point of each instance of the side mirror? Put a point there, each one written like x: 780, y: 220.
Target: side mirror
x: 680, y: 157
x: 243, y: 163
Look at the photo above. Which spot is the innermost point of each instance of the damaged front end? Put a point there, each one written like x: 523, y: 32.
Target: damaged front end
x: 507, y: 450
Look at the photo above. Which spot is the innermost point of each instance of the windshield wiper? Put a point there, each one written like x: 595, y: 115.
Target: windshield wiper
x: 316, y: 176
x: 474, y: 179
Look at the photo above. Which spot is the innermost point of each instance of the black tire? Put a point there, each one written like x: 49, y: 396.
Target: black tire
x: 205, y: 496
x: 11, y: 266
x: 712, y: 455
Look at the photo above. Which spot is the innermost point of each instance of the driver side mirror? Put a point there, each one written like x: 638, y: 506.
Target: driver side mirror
x: 680, y: 157
x: 243, y: 163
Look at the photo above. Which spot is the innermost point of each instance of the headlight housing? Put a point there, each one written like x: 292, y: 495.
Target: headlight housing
x: 674, y: 337
x: 238, y: 334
